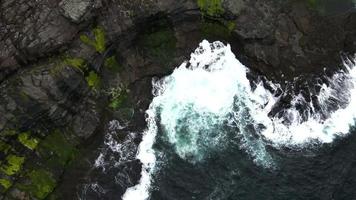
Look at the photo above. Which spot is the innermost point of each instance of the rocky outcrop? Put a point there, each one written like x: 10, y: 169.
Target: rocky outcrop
x: 69, y: 66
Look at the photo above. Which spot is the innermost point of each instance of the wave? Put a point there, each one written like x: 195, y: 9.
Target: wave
x: 207, y: 104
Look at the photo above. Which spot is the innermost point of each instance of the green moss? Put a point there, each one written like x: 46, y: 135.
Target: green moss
x: 116, y: 103
x: 14, y: 164
x: 231, y: 25
x: 93, y: 80
x: 78, y: 63
x: 215, y: 30
x: 28, y: 142
x: 99, y: 41
x: 211, y: 8
x: 112, y: 64
x: 57, y: 149
x: 8, y: 132
x: 160, y: 45
x: 41, y: 184
x: 4, y: 147
x: 118, y: 97
x: 24, y: 97
x: 312, y: 3
x: 6, y: 184
x: 57, y: 67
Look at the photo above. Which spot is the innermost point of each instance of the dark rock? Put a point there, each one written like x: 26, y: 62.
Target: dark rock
x: 36, y: 28
x: 75, y: 10
x: 40, y: 91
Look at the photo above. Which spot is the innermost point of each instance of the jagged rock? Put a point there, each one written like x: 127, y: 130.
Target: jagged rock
x: 36, y: 27
x: 234, y: 6
x: 75, y: 9
x: 2, y: 118
x: 257, y: 20
x: 147, y: 39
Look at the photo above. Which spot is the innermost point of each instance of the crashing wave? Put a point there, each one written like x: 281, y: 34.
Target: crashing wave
x: 208, y: 104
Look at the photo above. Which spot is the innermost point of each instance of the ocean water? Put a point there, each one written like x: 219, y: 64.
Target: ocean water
x: 214, y: 134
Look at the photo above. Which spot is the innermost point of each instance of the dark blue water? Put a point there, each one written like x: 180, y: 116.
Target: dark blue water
x: 326, y: 173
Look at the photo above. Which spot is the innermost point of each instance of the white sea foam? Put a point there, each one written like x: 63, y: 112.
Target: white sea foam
x: 147, y: 157
x: 213, y: 91
x: 116, y: 152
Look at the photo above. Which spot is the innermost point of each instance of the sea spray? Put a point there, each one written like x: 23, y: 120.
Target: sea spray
x: 208, y: 104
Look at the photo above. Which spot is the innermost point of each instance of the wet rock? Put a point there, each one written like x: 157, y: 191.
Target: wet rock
x: 267, y: 54
x: 350, y: 40
x: 41, y: 89
x: 302, y: 17
x: 257, y: 20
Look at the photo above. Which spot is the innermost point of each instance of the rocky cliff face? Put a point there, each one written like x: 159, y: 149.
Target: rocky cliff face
x: 69, y: 66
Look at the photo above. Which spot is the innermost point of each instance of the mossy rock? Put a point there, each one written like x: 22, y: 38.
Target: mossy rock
x: 112, y: 64
x: 8, y: 132
x: 98, y: 42
x: 93, y: 80
x: 313, y: 3
x: 211, y: 8
x: 214, y: 30
x: 78, y: 63
x: 5, y: 184
x: 26, y: 140
x: 40, y: 184
x: 13, y: 164
x: 159, y: 44
x: 118, y: 98
x: 56, y: 149
x: 4, y: 148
